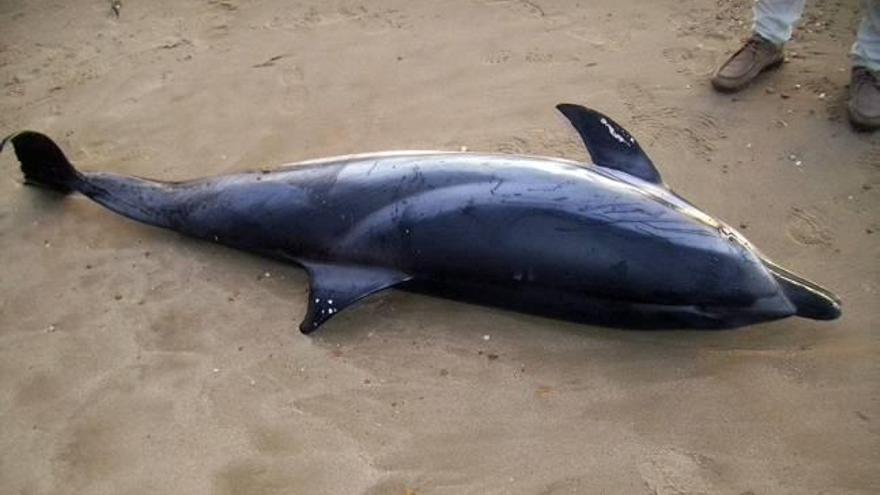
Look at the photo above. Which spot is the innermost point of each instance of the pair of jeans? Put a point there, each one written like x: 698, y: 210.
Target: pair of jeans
x: 775, y: 19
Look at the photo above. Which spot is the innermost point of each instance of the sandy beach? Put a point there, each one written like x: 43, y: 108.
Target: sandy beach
x: 135, y: 360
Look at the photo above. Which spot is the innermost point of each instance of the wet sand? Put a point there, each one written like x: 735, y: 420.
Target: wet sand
x: 134, y: 360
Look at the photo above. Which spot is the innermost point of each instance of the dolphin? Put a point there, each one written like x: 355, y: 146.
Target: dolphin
x: 606, y: 243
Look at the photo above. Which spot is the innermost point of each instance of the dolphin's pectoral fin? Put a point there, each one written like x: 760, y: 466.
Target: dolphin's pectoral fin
x: 609, y: 144
x: 334, y: 287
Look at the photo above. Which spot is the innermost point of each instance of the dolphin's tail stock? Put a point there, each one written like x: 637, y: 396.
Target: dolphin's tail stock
x: 810, y: 300
x: 42, y: 162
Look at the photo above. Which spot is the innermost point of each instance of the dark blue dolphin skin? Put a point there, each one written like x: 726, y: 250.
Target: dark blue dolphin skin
x: 608, y: 244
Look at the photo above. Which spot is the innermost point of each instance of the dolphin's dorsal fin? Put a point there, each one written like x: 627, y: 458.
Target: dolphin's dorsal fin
x: 609, y: 144
x: 334, y: 287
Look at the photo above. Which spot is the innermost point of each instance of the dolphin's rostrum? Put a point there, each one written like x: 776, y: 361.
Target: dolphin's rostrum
x: 608, y: 243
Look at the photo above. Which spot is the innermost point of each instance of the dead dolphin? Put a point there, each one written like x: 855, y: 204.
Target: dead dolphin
x: 608, y: 244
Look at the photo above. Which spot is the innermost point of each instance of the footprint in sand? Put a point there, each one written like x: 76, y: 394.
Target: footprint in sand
x: 521, y: 7
x: 871, y: 158
x: 539, y: 57
x: 173, y: 330
x: 673, y: 472
x: 515, y: 145
x: 806, y: 228
x: 392, y: 486
x: 499, y: 57
x: 224, y: 5
x: 568, y: 486
x: 696, y: 131
x: 690, y: 60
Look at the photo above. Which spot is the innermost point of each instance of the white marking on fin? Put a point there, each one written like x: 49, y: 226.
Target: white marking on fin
x: 613, y: 133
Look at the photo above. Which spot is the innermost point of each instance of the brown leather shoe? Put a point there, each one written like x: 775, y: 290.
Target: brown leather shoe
x: 756, y: 56
x: 864, y: 99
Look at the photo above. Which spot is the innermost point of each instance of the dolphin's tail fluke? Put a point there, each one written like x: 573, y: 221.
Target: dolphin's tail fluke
x: 42, y: 161
x: 44, y: 165
x: 810, y: 300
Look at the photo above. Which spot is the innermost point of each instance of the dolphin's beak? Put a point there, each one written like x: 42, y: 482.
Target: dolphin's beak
x: 809, y: 299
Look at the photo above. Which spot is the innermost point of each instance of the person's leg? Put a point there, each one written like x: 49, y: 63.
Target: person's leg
x: 775, y: 19
x: 866, y: 50
x: 864, y: 89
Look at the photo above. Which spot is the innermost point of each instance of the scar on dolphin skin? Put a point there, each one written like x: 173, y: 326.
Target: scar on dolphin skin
x: 605, y: 244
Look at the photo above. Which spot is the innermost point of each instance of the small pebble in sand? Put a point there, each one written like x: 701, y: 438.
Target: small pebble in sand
x: 118, y: 297
x: 216, y: 370
x: 748, y: 145
x: 463, y: 148
x: 821, y: 96
x: 798, y: 163
x: 487, y: 337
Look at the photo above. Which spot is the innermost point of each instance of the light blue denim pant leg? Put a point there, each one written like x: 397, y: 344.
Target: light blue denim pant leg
x: 775, y: 19
x: 866, y: 50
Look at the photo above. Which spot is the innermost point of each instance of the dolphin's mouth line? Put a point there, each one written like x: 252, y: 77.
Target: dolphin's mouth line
x: 798, y: 280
